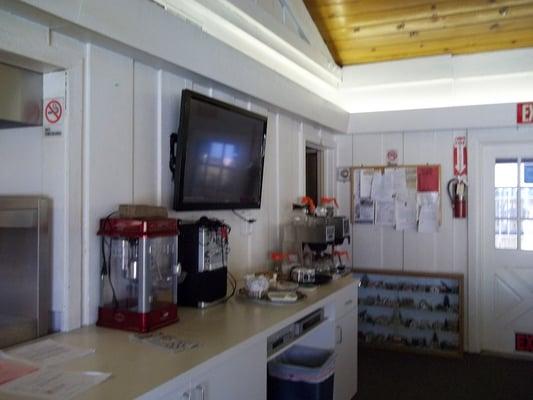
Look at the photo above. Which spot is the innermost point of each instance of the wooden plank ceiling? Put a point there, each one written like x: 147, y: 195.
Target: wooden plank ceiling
x: 364, y: 31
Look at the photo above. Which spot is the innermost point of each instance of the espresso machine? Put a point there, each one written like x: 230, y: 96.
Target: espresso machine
x: 139, y: 273
x: 203, y: 255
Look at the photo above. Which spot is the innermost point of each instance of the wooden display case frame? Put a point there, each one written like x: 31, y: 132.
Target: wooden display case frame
x: 432, y: 275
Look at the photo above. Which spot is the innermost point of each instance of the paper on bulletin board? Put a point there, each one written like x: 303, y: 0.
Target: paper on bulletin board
x: 364, y: 211
x: 364, y: 206
x: 410, y: 178
x: 427, y: 177
x: 365, y: 183
x: 399, y: 182
x: 428, y: 212
x: 383, y: 185
x: 385, y: 213
x: 406, y: 212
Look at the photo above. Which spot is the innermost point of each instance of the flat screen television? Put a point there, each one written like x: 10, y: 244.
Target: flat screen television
x: 217, y: 156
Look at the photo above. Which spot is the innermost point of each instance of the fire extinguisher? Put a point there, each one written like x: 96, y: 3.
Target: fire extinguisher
x: 457, y: 190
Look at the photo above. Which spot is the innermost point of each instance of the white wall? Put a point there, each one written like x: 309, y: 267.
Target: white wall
x: 383, y: 247
x: 132, y: 110
x: 439, y: 81
x: 174, y: 43
x: 378, y: 247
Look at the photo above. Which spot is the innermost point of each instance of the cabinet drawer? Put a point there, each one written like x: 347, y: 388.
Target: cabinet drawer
x: 346, y: 300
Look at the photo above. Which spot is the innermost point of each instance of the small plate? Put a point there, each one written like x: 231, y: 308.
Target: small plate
x: 284, y: 286
x: 282, y: 296
x: 273, y: 300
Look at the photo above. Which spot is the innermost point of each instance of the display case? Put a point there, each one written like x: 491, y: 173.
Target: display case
x: 414, y: 311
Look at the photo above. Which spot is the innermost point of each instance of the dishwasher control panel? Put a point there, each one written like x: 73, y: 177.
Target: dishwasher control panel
x: 290, y: 333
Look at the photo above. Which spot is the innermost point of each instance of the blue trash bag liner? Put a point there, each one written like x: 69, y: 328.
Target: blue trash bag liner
x: 303, y: 364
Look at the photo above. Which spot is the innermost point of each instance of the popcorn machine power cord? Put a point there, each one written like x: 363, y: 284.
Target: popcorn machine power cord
x: 106, y: 263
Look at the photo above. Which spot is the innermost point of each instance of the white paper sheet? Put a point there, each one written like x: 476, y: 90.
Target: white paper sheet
x: 399, y: 182
x: 385, y: 213
x: 382, y: 185
x: 364, y: 211
x: 48, y: 352
x: 429, y: 212
x: 406, y: 212
x: 365, y: 183
x: 165, y: 342
x: 411, y: 178
x: 52, y: 384
x: 11, y: 369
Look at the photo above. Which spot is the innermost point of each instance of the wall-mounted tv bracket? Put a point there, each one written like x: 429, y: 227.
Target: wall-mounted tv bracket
x: 172, y: 160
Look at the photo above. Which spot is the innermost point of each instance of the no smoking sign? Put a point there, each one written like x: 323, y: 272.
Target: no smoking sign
x: 54, y: 110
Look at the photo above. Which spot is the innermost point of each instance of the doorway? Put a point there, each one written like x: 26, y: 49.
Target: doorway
x: 314, y: 168
x: 507, y: 249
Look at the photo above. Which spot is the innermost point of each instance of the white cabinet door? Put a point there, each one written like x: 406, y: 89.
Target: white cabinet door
x: 345, y: 383
x: 242, y: 376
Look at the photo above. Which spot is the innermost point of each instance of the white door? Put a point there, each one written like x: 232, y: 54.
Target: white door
x: 507, y: 258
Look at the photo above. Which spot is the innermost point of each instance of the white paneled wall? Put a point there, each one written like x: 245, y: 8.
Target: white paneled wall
x: 109, y: 155
x: 383, y: 247
x: 379, y: 247
x: 132, y: 110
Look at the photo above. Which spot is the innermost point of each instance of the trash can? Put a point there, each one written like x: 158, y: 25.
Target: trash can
x: 301, y: 373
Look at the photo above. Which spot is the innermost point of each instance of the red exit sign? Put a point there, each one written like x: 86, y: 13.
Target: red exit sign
x: 524, y: 342
x: 524, y: 113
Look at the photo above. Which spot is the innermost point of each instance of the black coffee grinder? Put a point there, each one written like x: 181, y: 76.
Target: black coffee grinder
x: 203, y: 255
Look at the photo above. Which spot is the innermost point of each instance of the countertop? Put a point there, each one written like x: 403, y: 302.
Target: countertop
x: 137, y: 368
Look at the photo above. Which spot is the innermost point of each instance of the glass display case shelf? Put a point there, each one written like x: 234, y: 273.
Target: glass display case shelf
x: 450, y: 312
x: 392, y: 325
x: 402, y: 310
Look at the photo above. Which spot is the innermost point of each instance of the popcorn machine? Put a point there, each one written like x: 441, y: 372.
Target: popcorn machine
x: 139, y: 273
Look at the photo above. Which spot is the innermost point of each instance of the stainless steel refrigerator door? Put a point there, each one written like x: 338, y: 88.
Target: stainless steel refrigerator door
x: 25, y: 283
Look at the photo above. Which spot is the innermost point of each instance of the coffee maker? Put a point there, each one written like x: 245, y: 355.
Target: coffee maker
x: 316, y: 239
x: 139, y: 273
x: 203, y: 255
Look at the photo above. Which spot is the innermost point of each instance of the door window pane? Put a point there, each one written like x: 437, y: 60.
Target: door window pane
x: 526, y: 235
x: 505, y: 202
x: 526, y: 173
x: 506, y: 173
x: 526, y: 202
x: 505, y: 234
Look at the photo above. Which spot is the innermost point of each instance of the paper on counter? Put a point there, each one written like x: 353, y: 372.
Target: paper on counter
x: 48, y: 352
x: 52, y: 384
x: 164, y: 342
x: 385, y: 213
x: 12, y: 369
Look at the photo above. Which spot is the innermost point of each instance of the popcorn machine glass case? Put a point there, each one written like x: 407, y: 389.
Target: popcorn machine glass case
x: 139, y: 273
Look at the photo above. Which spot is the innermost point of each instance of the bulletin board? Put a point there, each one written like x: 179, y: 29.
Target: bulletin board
x: 402, y: 197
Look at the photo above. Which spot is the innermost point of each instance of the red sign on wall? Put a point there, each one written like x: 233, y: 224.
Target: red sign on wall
x: 524, y: 113
x: 524, y: 342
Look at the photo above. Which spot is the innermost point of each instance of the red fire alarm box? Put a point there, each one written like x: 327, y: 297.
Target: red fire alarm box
x: 524, y: 342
